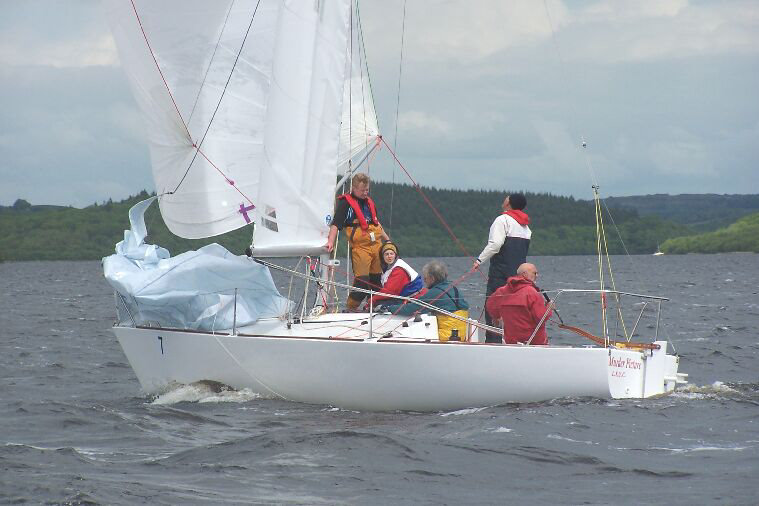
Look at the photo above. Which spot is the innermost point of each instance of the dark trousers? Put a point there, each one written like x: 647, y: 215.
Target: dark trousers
x: 494, y: 283
x: 370, y: 282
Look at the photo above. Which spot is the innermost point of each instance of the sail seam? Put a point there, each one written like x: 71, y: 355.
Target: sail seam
x: 218, y: 104
x: 210, y: 61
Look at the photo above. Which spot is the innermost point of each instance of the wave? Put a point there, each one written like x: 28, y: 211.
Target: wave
x: 466, y: 411
x: 717, y: 390
x: 202, y: 392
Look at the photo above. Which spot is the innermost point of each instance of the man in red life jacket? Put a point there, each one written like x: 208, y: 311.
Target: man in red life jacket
x: 355, y: 212
x: 521, y: 306
x: 508, y: 243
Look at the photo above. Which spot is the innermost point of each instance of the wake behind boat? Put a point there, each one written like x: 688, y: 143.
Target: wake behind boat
x: 251, y: 120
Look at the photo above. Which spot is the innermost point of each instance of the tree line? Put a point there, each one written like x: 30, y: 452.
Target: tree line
x: 743, y: 235
x: 561, y: 226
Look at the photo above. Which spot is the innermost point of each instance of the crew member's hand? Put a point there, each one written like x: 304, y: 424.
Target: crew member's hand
x: 475, y: 265
x: 329, y: 247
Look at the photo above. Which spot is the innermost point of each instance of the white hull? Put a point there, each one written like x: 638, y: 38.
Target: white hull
x: 400, y: 373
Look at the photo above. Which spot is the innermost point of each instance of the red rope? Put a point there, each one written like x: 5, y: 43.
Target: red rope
x: 184, y: 124
x: 429, y: 203
x: 152, y: 54
x: 230, y: 181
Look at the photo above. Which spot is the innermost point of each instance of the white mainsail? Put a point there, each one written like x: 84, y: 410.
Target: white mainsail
x: 359, y: 128
x: 268, y: 132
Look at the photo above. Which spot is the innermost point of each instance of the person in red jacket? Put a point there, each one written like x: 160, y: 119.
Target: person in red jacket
x: 521, y: 306
x: 398, y: 277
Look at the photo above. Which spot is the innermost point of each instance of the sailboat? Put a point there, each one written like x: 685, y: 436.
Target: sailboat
x: 254, y: 110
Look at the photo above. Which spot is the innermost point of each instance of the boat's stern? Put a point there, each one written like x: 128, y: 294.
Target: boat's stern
x: 643, y: 373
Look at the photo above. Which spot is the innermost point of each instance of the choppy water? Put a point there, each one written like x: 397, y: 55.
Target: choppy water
x: 74, y: 427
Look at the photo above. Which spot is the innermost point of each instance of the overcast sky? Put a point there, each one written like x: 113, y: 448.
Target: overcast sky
x: 663, y: 91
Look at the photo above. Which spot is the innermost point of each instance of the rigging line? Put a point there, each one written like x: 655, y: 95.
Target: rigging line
x: 366, y: 59
x: 218, y: 104
x: 210, y: 62
x: 247, y: 371
x: 635, y: 267
x: 588, y: 163
x: 428, y: 305
x: 611, y: 276
x: 350, y: 91
x: 361, y: 77
x: 469, y: 320
x: 358, y: 289
x: 600, y: 261
x: 397, y: 108
x: 563, y: 78
x: 619, y: 232
x: 230, y: 181
x: 599, y: 212
x: 152, y: 54
x: 429, y: 203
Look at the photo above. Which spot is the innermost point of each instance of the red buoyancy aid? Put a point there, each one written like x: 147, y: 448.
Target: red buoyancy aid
x: 357, y: 209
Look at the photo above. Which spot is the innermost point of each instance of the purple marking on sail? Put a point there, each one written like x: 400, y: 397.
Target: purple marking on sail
x: 244, y: 211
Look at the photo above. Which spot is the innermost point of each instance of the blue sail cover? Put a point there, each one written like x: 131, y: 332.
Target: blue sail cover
x: 193, y: 290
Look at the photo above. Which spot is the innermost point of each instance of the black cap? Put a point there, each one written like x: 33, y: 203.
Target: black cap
x: 517, y: 201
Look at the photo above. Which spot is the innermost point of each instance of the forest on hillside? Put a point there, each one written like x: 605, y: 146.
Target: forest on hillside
x: 743, y: 235
x: 702, y: 212
x: 561, y: 226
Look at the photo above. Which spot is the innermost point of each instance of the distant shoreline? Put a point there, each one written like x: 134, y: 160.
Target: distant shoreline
x: 562, y: 226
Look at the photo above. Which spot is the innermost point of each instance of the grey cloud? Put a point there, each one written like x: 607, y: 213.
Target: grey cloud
x: 681, y: 119
x: 69, y: 134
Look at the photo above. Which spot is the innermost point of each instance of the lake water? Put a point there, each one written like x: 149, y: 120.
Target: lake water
x: 75, y: 428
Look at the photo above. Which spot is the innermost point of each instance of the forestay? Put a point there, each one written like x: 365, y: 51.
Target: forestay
x: 243, y: 102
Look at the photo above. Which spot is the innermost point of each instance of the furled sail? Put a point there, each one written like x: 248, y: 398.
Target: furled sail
x: 243, y: 102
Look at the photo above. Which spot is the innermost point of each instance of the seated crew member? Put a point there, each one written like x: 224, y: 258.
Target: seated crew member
x: 440, y: 293
x: 355, y: 212
x: 521, y: 306
x: 398, y: 278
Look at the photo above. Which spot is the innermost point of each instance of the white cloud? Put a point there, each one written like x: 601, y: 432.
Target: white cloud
x: 97, y: 49
x: 473, y: 34
x: 655, y: 30
x: 420, y: 122
x: 460, y: 31
x: 638, y: 10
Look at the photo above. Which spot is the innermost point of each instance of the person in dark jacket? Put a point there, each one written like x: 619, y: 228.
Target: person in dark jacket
x: 439, y: 293
x: 508, y: 243
x: 521, y: 306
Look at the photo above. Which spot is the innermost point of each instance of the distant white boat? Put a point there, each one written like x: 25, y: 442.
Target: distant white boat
x: 658, y: 251
x: 253, y: 109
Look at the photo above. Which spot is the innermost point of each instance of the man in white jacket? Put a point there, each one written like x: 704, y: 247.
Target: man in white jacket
x: 508, y: 243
